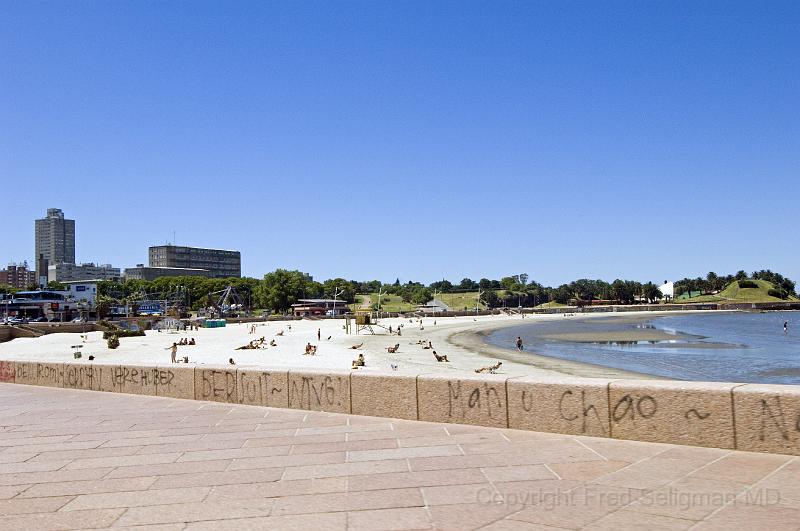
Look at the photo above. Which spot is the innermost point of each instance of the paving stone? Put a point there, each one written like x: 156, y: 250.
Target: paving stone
x: 33, y: 505
x: 433, y: 478
x: 765, y: 514
x: 628, y: 519
x: 137, y: 498
x: 60, y: 520
x: 321, y: 503
x: 277, y: 489
x: 71, y: 488
x: 233, y: 477
x: 295, y: 522
x: 193, y: 511
x: 403, y: 453
x: 389, y: 519
x: 345, y: 469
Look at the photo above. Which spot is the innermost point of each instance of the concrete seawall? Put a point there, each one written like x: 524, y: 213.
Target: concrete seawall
x: 750, y: 417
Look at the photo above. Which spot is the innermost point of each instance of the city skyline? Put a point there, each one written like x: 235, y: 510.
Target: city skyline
x: 415, y: 140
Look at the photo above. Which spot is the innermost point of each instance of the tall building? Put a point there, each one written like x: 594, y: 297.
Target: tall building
x: 64, y: 272
x: 55, y: 242
x: 18, y: 276
x: 221, y: 264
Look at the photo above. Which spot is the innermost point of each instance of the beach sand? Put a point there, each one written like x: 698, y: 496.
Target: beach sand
x: 460, y: 338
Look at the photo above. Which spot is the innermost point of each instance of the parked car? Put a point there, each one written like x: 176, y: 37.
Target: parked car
x: 39, y: 320
x: 79, y: 320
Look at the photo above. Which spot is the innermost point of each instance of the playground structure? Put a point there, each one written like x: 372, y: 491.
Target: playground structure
x: 224, y: 303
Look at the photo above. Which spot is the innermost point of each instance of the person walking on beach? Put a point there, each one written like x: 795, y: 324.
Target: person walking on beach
x: 519, y: 343
x: 174, y: 349
x: 319, y: 334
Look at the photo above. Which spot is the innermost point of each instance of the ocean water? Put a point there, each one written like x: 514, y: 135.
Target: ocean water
x: 725, y: 347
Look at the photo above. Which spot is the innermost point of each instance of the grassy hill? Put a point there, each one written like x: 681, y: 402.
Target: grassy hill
x: 734, y: 294
x: 552, y: 304
x: 389, y: 303
x: 458, y: 301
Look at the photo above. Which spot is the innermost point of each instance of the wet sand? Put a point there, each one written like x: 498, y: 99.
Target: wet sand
x: 474, y: 340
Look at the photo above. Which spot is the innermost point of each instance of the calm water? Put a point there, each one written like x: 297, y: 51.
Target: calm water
x: 732, y: 347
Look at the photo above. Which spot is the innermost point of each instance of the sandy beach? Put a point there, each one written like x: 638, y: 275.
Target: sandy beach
x: 460, y: 338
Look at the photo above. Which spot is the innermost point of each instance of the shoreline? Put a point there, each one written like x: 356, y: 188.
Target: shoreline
x: 475, y: 340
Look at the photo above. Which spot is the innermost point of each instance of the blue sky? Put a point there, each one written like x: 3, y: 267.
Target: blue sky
x: 419, y: 140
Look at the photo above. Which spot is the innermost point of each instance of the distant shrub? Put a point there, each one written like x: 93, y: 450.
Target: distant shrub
x: 747, y: 284
x: 119, y: 332
x: 113, y: 342
x: 779, y: 293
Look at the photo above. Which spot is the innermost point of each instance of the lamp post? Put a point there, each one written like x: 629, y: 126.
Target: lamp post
x: 336, y: 293
x: 380, y: 296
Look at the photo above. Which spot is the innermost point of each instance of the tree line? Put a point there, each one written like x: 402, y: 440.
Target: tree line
x: 281, y: 288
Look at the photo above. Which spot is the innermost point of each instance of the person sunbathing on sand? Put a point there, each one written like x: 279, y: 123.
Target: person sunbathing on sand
x: 490, y: 369
x: 439, y: 358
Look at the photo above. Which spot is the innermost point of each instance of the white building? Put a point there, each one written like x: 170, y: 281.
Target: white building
x: 66, y: 272
x: 667, y: 290
x: 81, y: 291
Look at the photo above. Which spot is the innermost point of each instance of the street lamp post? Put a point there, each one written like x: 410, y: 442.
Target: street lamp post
x: 336, y: 293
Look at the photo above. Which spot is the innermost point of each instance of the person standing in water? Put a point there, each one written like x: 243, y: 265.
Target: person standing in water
x: 519, y: 343
x: 785, y: 327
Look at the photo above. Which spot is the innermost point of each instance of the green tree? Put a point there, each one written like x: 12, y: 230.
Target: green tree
x: 420, y: 295
x: 346, y: 289
x: 490, y: 298
x: 5, y: 289
x: 443, y: 286
x: 280, y: 289
x: 467, y: 284
x: 651, y: 292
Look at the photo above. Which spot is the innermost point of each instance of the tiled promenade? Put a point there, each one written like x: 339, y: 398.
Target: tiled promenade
x: 81, y: 459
